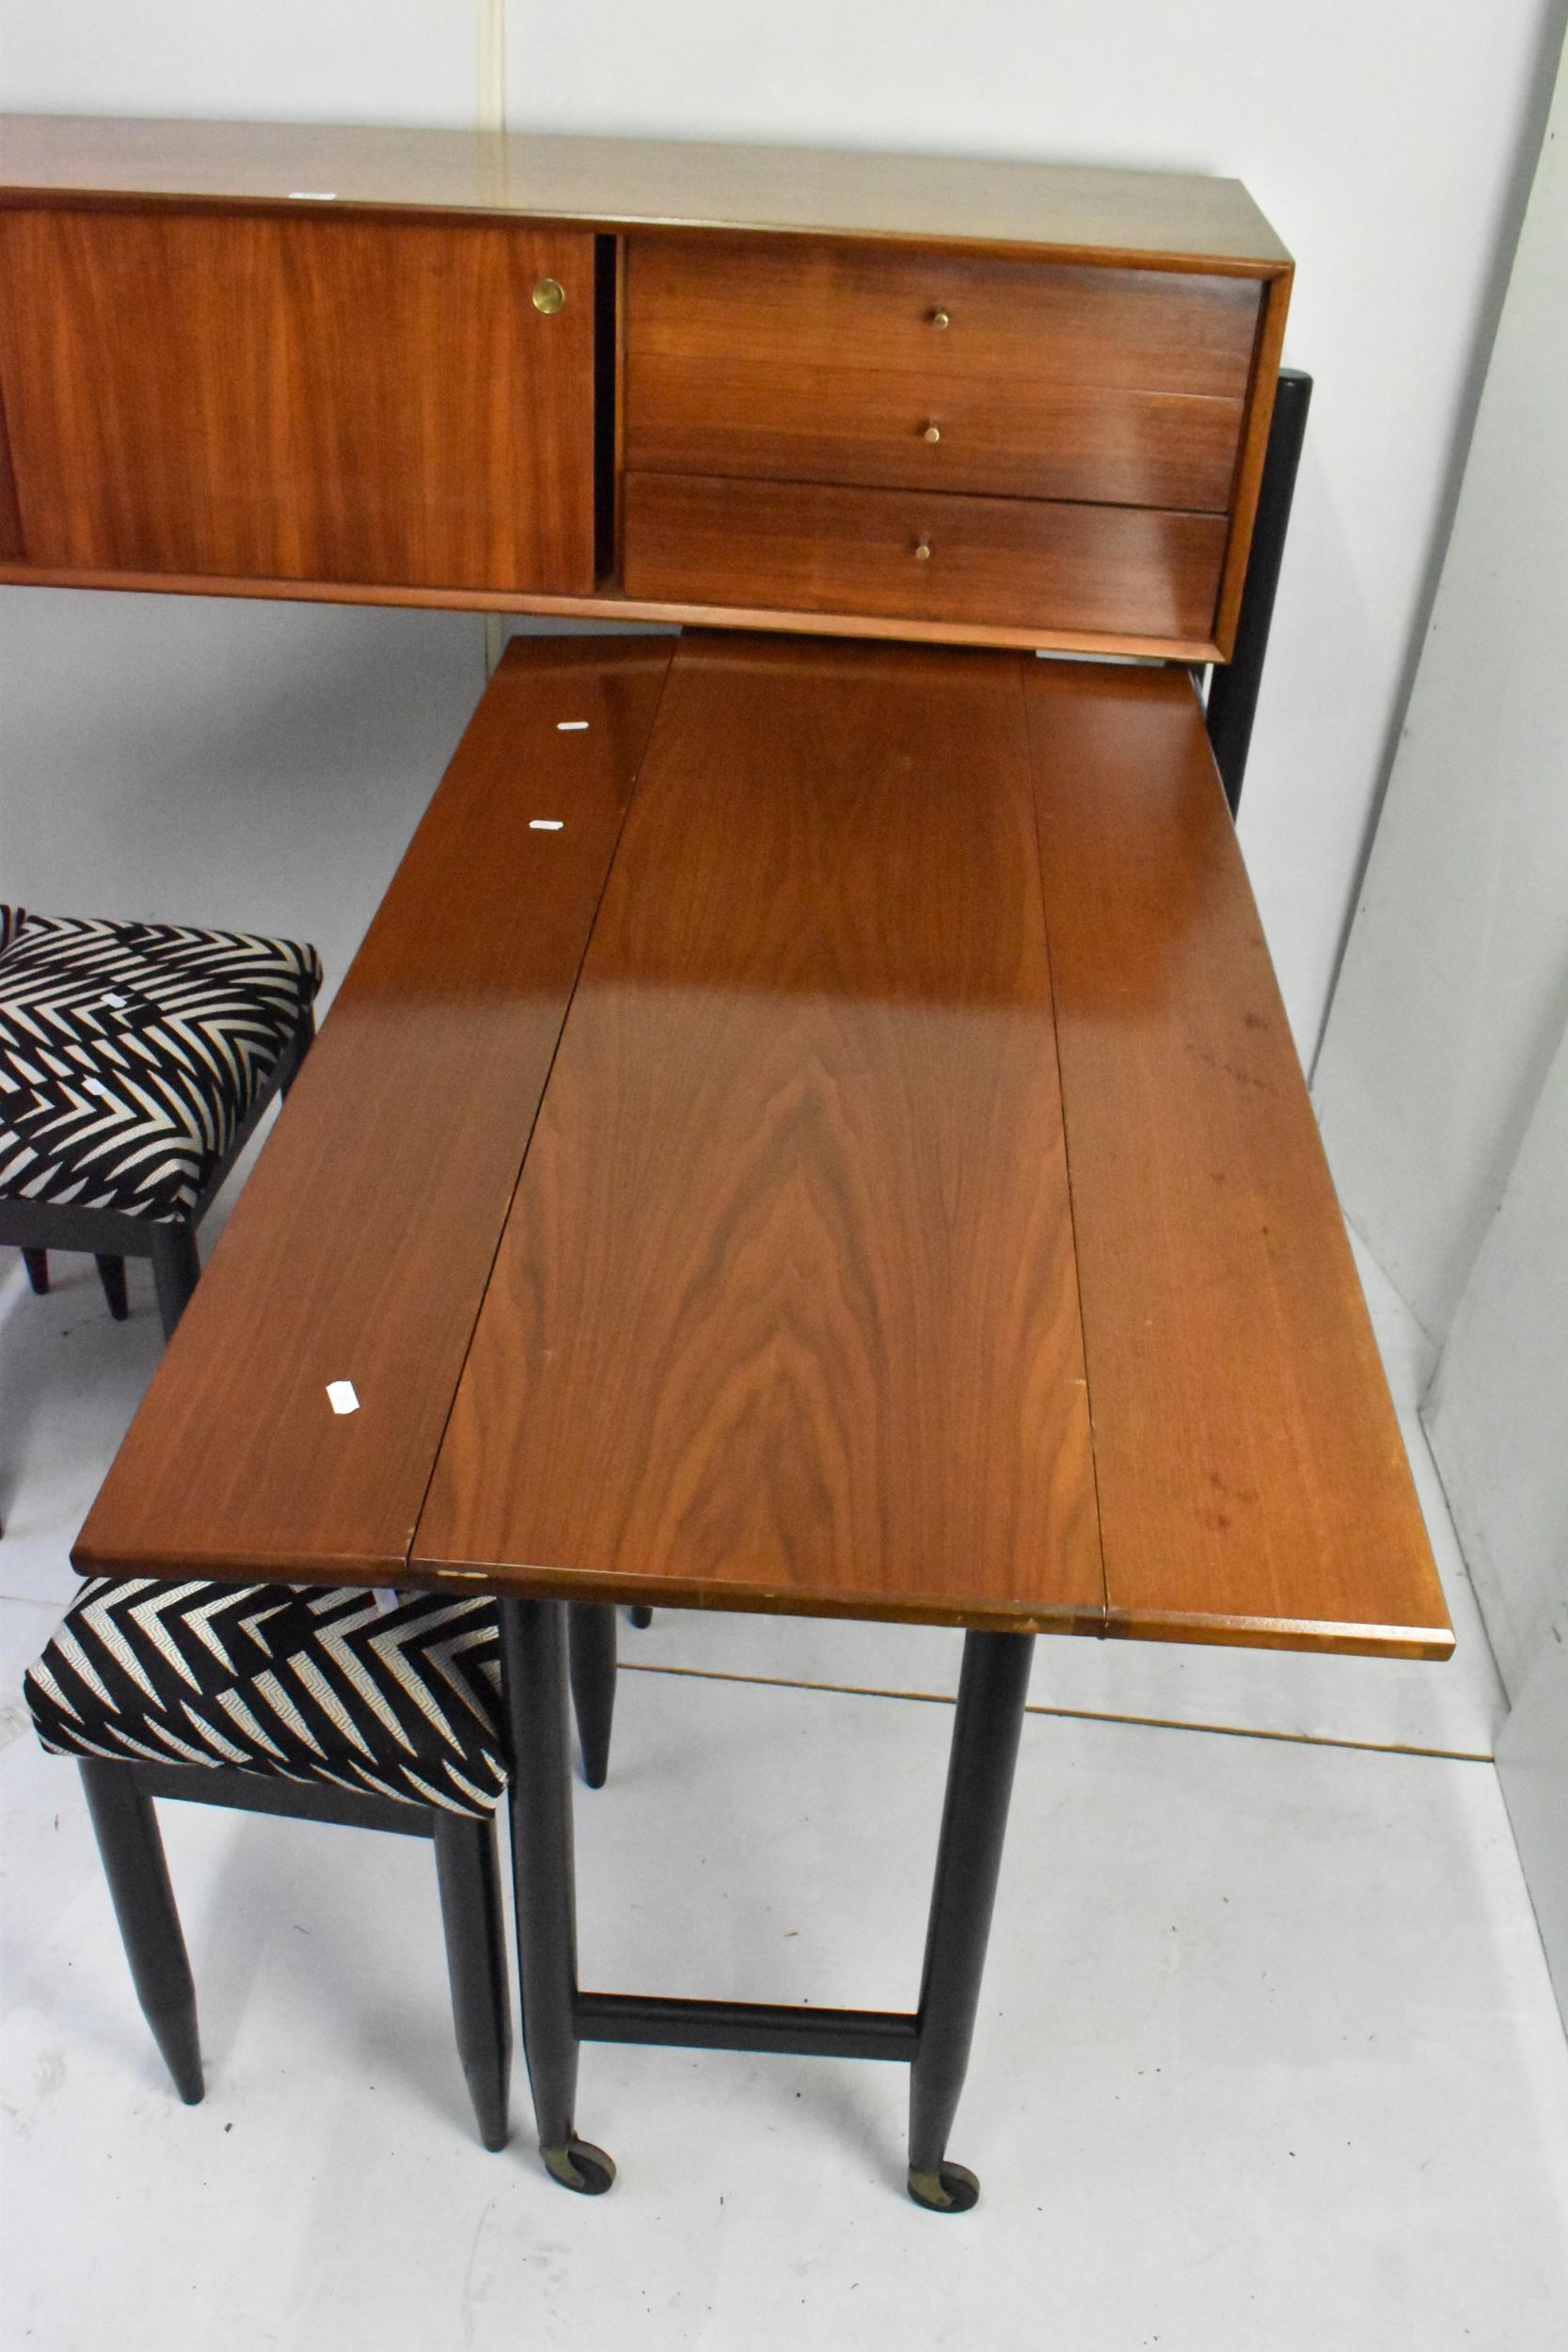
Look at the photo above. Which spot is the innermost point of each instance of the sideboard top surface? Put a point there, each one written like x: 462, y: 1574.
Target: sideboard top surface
x: 1182, y: 219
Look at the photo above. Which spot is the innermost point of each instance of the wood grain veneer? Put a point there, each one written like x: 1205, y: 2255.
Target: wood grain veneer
x: 292, y: 354
x: 11, y: 512
x: 816, y: 304
x: 1191, y: 220
x: 301, y: 396
x: 608, y: 605
x: 867, y: 427
x: 837, y: 1198
x: 785, y: 1315
x: 1252, y: 1480
x: 361, y: 1245
x: 1134, y: 571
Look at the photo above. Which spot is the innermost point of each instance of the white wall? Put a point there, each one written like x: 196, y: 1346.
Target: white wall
x: 1498, y: 1412
x: 1455, y: 985
x: 259, y: 766
x: 1383, y: 142
x: 321, y: 60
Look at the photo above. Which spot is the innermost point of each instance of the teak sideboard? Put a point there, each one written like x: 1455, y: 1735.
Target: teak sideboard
x: 998, y: 404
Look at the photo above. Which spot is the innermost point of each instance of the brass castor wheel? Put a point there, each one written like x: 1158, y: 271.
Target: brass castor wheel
x: 951, y: 2188
x: 579, y: 2166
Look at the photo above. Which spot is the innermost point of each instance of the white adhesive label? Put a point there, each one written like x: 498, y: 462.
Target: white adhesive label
x: 571, y: 726
x: 341, y: 1396
x: 545, y: 824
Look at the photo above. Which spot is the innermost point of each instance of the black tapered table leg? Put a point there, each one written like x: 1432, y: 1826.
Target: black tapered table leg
x: 992, y: 1689
x: 590, y: 1644
x: 176, y: 1271
x: 36, y: 1264
x: 111, y: 1273
x: 127, y: 1832
x: 470, y: 1881
x: 533, y: 1675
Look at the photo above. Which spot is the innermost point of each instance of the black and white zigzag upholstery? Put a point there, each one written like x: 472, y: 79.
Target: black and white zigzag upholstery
x: 131, y: 1053
x: 321, y: 1685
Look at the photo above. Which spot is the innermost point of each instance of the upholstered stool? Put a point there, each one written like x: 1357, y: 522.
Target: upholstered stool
x: 377, y: 1711
x: 134, y: 1060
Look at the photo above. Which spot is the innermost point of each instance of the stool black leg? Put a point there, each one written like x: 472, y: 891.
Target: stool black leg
x: 470, y: 1881
x: 991, y: 1692
x: 111, y: 1273
x: 591, y: 1645
x: 533, y: 1674
x: 641, y: 1617
x: 176, y: 1271
x: 127, y: 1831
x: 36, y: 1264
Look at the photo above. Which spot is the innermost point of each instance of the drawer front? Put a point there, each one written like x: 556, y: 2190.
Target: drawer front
x: 791, y: 303
x: 998, y: 563
x: 1004, y: 437
x: 299, y: 396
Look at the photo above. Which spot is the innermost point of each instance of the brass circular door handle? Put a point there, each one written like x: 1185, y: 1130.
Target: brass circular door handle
x: 923, y: 551
x: 940, y: 318
x: 549, y: 296
x: 930, y: 432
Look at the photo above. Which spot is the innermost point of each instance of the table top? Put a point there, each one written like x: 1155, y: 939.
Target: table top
x: 853, y: 1162
x: 996, y: 204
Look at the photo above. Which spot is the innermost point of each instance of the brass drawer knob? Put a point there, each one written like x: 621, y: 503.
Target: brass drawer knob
x: 923, y: 551
x: 930, y: 432
x: 939, y: 317
x: 549, y: 296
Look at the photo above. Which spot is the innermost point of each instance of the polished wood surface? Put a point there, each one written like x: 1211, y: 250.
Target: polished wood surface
x: 1193, y: 219
x: 361, y: 1245
x: 1252, y: 1481
x: 302, y: 397
x: 926, y: 1115
x: 874, y: 427
x: 238, y: 355
x: 1134, y: 571
x: 785, y: 1314
x: 11, y: 512
x: 611, y: 606
x: 942, y: 316
x: 1249, y: 472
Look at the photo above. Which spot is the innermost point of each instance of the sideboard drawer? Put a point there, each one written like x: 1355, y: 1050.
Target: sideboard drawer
x: 1010, y: 563
x: 1004, y: 437
x: 801, y: 303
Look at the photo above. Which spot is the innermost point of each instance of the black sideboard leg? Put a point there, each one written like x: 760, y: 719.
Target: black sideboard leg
x: 533, y: 1671
x: 126, y: 1827
x: 991, y: 1693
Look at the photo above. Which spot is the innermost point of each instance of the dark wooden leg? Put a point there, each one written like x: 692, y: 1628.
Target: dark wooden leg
x: 111, y: 1273
x: 467, y: 1873
x: 992, y: 1689
x: 642, y: 1618
x: 127, y: 1831
x: 591, y: 1642
x: 176, y: 1271
x: 36, y: 1264
x: 533, y: 1678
